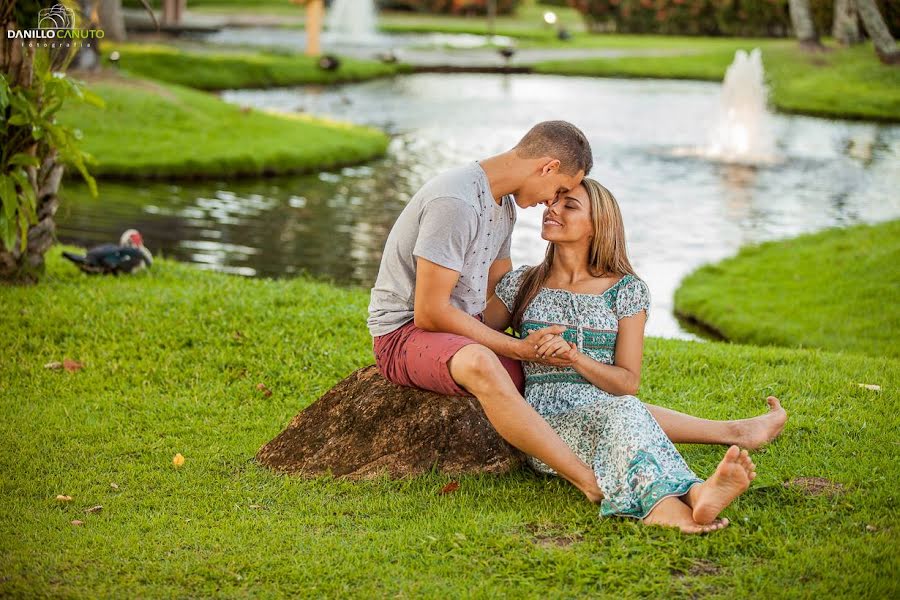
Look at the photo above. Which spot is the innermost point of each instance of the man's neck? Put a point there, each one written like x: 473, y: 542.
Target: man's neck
x: 503, y: 174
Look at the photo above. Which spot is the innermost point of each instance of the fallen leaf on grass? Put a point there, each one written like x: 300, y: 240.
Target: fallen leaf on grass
x: 55, y: 365
x: 871, y: 528
x: 114, y: 486
x: 450, y: 487
x: 61, y: 498
x: 94, y: 509
x: 178, y: 460
x: 77, y: 522
x: 870, y: 386
x: 262, y: 387
x: 72, y: 365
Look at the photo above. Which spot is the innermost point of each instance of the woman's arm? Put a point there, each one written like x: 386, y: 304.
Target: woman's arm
x: 496, y: 315
x: 624, y: 377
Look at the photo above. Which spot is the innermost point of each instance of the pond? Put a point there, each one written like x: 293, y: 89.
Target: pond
x: 680, y: 209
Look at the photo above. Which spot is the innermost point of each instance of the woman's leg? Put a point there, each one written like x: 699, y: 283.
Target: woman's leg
x: 747, y: 433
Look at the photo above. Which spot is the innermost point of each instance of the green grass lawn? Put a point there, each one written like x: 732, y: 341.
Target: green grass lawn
x: 188, y: 133
x: 171, y: 362
x: 838, y: 290
x: 847, y: 83
x: 232, y: 70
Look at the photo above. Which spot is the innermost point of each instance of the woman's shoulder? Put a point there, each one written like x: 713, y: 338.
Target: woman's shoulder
x: 508, y: 286
x: 632, y: 296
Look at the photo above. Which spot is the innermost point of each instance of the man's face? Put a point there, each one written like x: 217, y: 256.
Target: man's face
x: 545, y: 185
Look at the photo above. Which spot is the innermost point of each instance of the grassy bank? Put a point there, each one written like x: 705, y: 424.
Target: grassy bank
x: 187, y: 133
x: 845, y: 83
x: 171, y: 362
x: 837, y: 290
x: 232, y: 70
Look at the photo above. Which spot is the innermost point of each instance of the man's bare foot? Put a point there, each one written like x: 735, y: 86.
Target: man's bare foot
x: 757, y: 432
x: 731, y: 479
x: 672, y: 512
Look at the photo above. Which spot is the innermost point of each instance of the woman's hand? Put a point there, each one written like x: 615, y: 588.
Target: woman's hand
x: 557, y: 352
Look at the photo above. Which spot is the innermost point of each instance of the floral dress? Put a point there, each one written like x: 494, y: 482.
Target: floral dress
x: 635, y: 462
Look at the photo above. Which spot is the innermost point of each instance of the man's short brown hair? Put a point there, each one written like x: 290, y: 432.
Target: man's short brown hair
x: 560, y: 140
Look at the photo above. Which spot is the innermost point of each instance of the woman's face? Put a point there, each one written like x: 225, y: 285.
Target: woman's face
x: 568, y: 218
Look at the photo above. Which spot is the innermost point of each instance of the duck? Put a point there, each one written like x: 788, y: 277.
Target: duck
x: 128, y: 257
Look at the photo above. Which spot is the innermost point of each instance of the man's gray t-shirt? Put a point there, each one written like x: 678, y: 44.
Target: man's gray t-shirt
x: 453, y: 221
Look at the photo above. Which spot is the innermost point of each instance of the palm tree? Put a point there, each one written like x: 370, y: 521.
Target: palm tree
x: 34, y: 147
x: 31, y: 169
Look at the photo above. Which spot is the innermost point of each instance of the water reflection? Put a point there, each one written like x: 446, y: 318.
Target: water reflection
x: 679, y: 211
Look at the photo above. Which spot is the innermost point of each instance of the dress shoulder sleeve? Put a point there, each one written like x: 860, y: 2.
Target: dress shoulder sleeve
x: 633, y: 297
x: 508, y: 287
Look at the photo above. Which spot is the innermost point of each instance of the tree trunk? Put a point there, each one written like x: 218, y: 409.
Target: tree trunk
x: 112, y: 21
x: 17, y: 65
x: 87, y: 57
x: 881, y: 36
x: 845, y: 27
x: 804, y: 26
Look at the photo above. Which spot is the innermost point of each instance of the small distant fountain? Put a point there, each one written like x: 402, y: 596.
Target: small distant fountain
x: 352, y: 21
x: 742, y: 133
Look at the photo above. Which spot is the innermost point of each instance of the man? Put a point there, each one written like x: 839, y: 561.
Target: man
x: 446, y: 252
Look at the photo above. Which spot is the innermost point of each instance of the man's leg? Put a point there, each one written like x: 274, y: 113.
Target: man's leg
x: 746, y: 433
x: 479, y: 370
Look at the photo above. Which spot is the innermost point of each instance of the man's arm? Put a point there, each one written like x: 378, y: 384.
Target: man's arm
x: 434, y: 312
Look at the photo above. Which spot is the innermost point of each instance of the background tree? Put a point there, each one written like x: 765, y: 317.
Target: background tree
x: 885, y: 46
x: 845, y: 27
x: 112, y: 21
x: 803, y: 24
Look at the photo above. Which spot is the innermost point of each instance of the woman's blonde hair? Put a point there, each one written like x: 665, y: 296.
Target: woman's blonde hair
x: 607, y: 256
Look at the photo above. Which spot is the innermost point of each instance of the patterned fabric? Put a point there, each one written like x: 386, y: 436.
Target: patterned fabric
x: 635, y: 462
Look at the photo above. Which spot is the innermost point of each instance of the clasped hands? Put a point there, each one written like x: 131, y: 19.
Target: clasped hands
x: 547, y: 346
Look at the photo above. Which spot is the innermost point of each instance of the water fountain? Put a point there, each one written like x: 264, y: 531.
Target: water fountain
x: 352, y: 21
x: 742, y: 132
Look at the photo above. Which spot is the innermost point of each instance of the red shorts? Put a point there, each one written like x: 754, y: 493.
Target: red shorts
x: 417, y: 358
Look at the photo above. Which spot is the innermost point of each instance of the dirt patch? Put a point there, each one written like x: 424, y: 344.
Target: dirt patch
x: 546, y: 537
x: 815, y: 486
x: 113, y: 76
x: 698, y: 569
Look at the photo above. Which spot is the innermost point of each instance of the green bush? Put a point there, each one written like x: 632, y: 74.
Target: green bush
x: 768, y: 18
x: 455, y: 7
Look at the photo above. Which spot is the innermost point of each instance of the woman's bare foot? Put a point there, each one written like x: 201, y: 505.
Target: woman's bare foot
x: 593, y: 494
x: 731, y: 479
x: 672, y: 512
x: 757, y: 432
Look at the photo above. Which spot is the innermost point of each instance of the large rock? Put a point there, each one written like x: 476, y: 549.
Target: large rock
x: 366, y: 425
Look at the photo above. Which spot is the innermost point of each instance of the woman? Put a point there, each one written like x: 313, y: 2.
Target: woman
x: 587, y: 284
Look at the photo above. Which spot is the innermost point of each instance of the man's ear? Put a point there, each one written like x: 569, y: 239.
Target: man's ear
x: 551, y: 167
